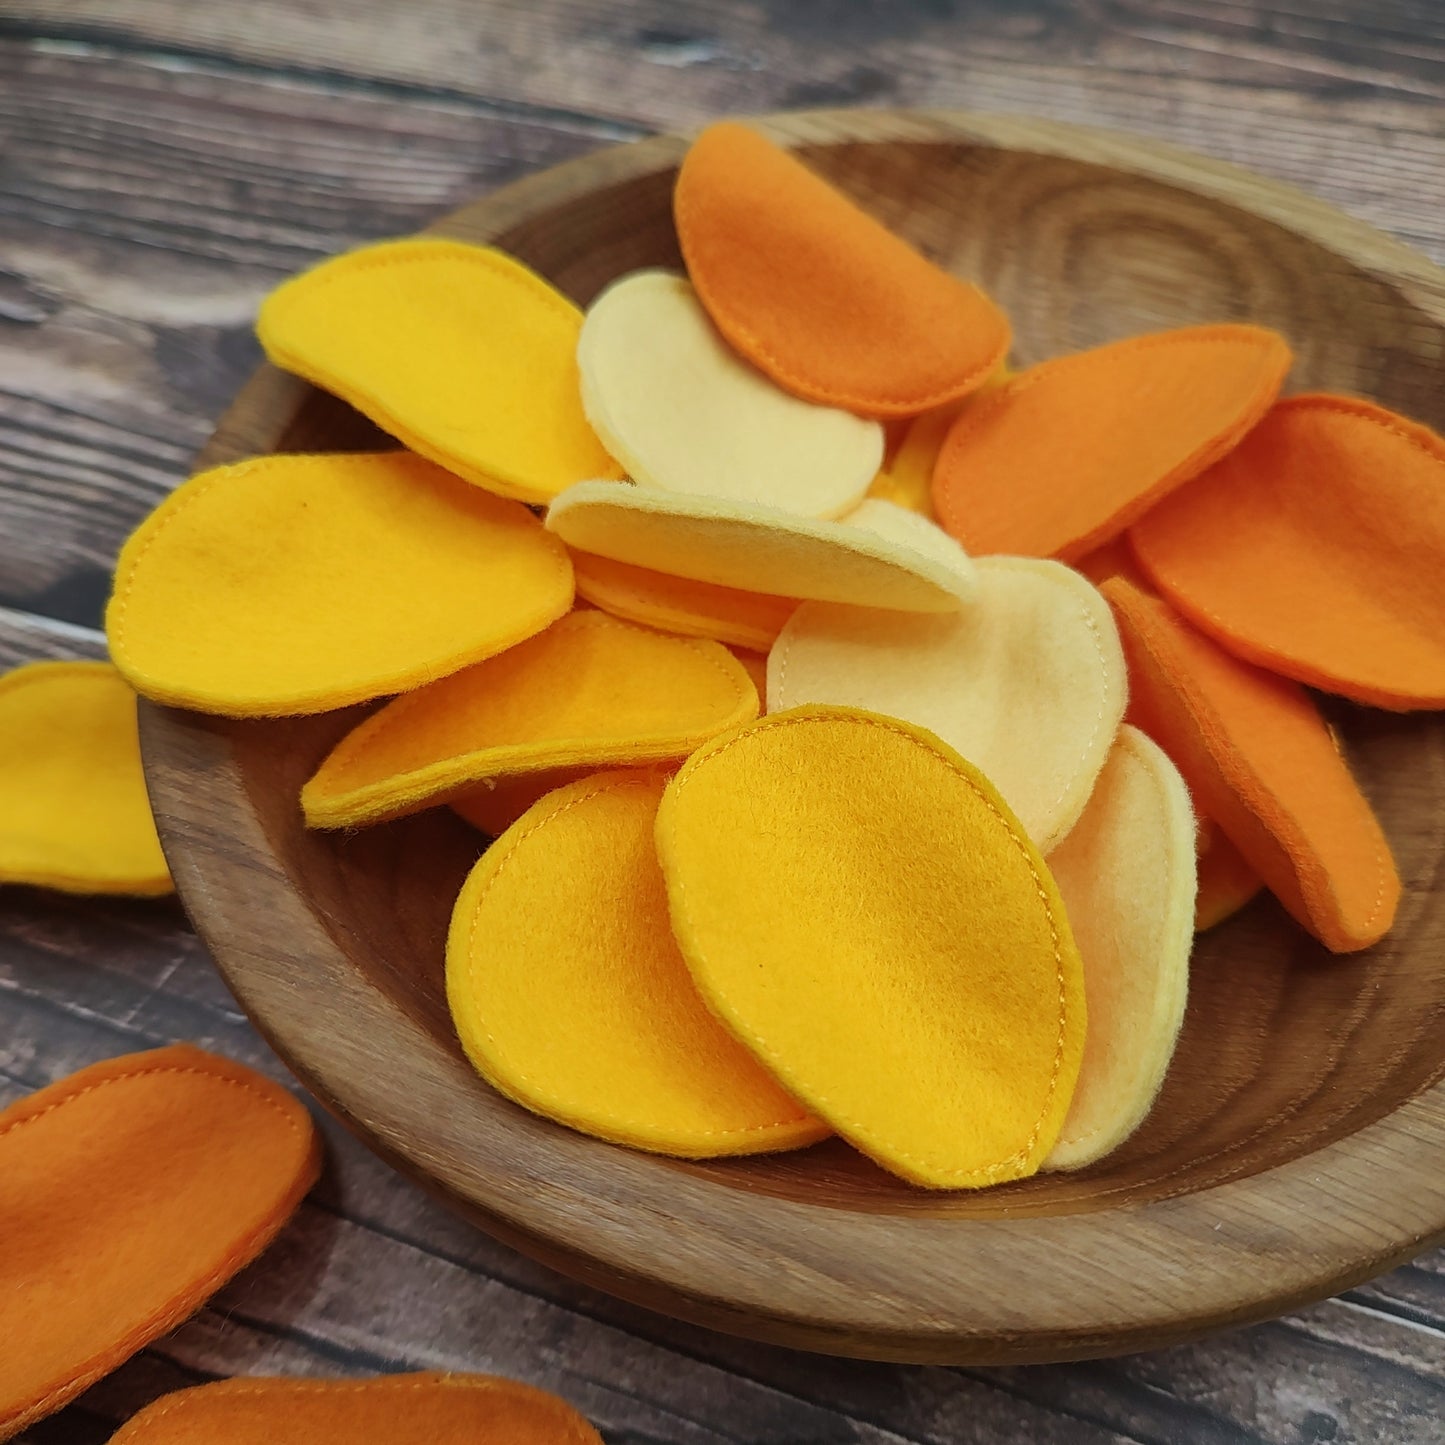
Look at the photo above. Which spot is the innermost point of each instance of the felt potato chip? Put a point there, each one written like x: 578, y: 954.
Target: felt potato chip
x: 680, y: 411
x: 755, y: 664
x: 570, y: 997
x: 679, y: 604
x: 1226, y: 881
x: 458, y: 351
x: 297, y: 584
x: 1260, y: 761
x: 130, y: 1192
x: 859, y: 906
x: 1028, y: 683
x: 1067, y: 454
x: 1126, y: 873
x: 426, y: 1408
x: 494, y: 804
x: 1317, y: 549
x: 74, y: 813
x: 819, y: 295
x: 879, y: 555
x: 590, y: 691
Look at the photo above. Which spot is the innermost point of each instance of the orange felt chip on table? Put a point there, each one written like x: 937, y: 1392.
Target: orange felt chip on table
x: 817, y: 293
x: 1067, y: 454
x: 1226, y: 881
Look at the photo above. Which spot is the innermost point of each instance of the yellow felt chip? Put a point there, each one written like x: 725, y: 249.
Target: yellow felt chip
x: 1127, y: 876
x: 570, y: 997
x: 1027, y: 683
x: 458, y: 351
x: 591, y: 691
x: 73, y: 808
x: 297, y: 584
x: 860, y: 907
x: 879, y: 554
x: 1226, y: 881
x: 682, y: 411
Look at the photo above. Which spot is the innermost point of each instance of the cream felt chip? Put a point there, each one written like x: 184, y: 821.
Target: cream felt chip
x: 879, y: 554
x: 682, y: 411
x: 1127, y: 876
x: 1027, y: 683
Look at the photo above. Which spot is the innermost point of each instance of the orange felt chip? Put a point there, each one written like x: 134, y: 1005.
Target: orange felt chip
x: 1317, y: 549
x: 1260, y: 761
x: 819, y: 295
x: 1226, y: 881
x: 1067, y: 454
x: 129, y: 1193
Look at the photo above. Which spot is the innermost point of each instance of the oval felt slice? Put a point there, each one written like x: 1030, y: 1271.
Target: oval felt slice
x: 590, y: 690
x: 570, y: 997
x: 879, y: 554
x: 819, y: 295
x: 1260, y: 761
x: 1226, y: 881
x: 494, y: 804
x: 1027, y: 683
x: 680, y: 411
x: 458, y: 351
x: 859, y: 906
x: 1126, y: 873
x: 1317, y: 549
x: 298, y: 584
x: 130, y: 1192
x: 1067, y: 454
x: 74, y: 813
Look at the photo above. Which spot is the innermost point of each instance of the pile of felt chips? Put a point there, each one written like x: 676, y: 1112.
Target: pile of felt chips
x: 863, y: 728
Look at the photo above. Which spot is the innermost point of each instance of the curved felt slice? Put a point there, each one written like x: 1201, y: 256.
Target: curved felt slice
x: 1226, y: 881
x: 675, y: 405
x: 130, y: 1192
x: 570, y: 997
x: 1067, y: 454
x: 458, y: 351
x: 1126, y: 873
x: 819, y: 295
x: 297, y: 584
x: 1028, y: 683
x: 1260, y: 761
x: 1317, y: 549
x: 679, y: 604
x: 74, y: 813
x: 494, y: 804
x: 859, y: 906
x: 426, y: 1408
x: 879, y: 554
x: 589, y: 691
x: 755, y: 664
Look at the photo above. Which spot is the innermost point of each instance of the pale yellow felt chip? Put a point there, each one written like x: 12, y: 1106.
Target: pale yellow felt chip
x: 860, y: 907
x: 682, y: 411
x: 74, y: 814
x: 879, y: 554
x: 297, y: 584
x: 458, y: 351
x: 1027, y: 683
x: 591, y: 691
x: 570, y: 997
x: 1127, y: 877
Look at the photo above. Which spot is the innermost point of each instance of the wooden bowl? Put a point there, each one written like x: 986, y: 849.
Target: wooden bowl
x: 1299, y: 1144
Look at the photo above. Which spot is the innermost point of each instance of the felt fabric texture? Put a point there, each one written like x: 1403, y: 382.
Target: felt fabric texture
x: 817, y: 293
x: 494, y: 804
x: 1261, y: 762
x: 591, y: 690
x: 298, y: 584
x: 1127, y: 876
x: 680, y: 410
x: 426, y: 1408
x: 878, y: 555
x: 859, y: 906
x: 1226, y: 881
x: 1028, y: 683
x: 74, y: 813
x: 1317, y: 549
x: 130, y: 1192
x: 679, y: 604
x: 570, y: 997
x: 1067, y: 454
x: 755, y: 664
x: 458, y: 351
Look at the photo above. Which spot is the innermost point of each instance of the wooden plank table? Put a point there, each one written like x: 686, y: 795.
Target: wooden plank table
x: 163, y: 163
